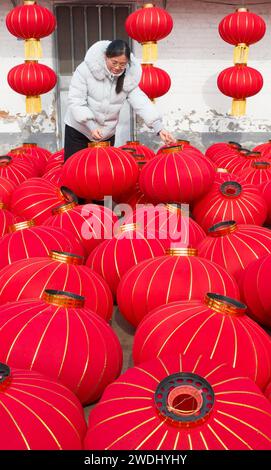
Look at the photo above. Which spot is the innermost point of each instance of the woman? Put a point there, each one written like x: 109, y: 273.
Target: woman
x: 109, y: 75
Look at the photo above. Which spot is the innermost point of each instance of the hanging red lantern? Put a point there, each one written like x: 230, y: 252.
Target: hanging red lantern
x: 55, y: 160
x: 168, y: 223
x: 148, y: 25
x: 265, y: 149
x: 235, y: 246
x: 179, y: 403
x: 181, y: 275
x: 60, y: 338
x: 6, y: 189
x: 32, y: 79
x: 176, y: 176
x: 99, y: 171
x: 113, y: 258
x: 6, y: 219
x: 31, y: 22
x: 38, y: 413
x: 254, y: 285
x: 37, y: 155
x: 242, y: 28
x: 266, y: 192
x: 91, y: 223
x: 239, y: 82
x: 218, y: 147
x: 231, y: 201
x: 24, y: 241
x: 36, y: 197
x: 155, y: 82
x: 28, y: 278
x: 258, y: 173
x: 218, y: 326
x: 15, y: 170
x: 138, y: 148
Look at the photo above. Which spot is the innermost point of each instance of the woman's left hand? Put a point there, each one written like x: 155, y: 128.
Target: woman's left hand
x: 167, y: 137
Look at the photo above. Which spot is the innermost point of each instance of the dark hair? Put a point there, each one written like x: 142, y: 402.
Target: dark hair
x: 114, y: 49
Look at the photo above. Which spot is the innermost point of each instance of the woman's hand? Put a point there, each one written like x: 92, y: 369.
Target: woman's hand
x: 167, y: 137
x: 97, y: 134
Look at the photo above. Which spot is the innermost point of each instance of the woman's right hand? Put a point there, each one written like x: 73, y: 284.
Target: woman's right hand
x: 97, y: 134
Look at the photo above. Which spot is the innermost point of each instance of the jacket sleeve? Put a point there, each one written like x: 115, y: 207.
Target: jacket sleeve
x: 77, y: 99
x: 143, y: 106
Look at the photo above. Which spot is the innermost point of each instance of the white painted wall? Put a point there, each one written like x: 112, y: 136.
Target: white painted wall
x: 193, y: 55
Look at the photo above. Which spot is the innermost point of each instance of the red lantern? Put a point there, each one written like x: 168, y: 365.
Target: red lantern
x: 218, y: 326
x: 154, y: 82
x: 218, y: 147
x: 36, y: 198
x: 179, y: 403
x: 237, y: 161
x: 54, y: 176
x: 179, y: 276
x: 258, y: 173
x: 176, y: 176
x: 134, y: 146
x: 38, y: 413
x: 231, y: 201
x: 113, y: 258
x: 37, y: 155
x: 255, y: 289
x: 100, y: 171
x: 91, y: 223
x: 28, y: 241
x: 32, y: 79
x: 242, y: 29
x: 6, y: 189
x: 60, y: 338
x: 239, y: 82
x: 169, y: 224
x: 55, y: 160
x: 235, y: 246
x: 148, y: 25
x: 265, y: 149
x: 6, y: 219
x: 15, y: 170
x: 31, y: 22
x: 28, y: 278
x: 266, y: 192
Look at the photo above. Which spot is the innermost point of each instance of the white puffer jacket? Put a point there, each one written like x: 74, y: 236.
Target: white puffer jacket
x: 93, y: 102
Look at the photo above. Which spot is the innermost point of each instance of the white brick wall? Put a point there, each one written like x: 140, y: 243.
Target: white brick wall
x: 193, y: 55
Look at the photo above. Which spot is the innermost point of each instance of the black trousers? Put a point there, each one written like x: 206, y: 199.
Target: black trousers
x: 75, y: 141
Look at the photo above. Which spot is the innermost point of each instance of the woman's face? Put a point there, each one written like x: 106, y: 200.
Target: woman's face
x: 116, y: 65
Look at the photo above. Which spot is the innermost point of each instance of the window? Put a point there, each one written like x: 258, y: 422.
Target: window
x: 79, y: 25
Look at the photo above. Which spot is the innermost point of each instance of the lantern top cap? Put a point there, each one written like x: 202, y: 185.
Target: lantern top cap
x: 225, y: 305
x: 66, y: 258
x: 222, y: 228
x: 63, y: 299
x: 241, y: 10
x: 22, y: 226
x: 148, y: 5
x: 29, y: 2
